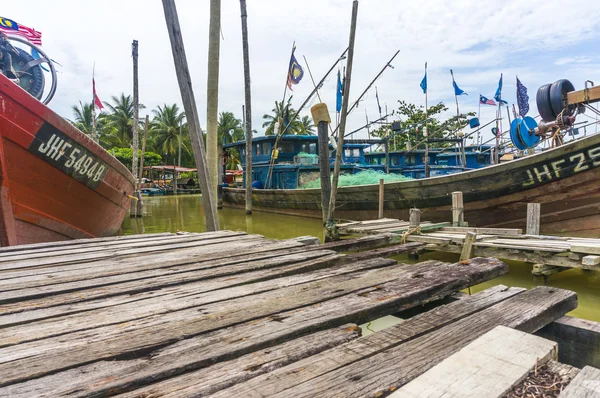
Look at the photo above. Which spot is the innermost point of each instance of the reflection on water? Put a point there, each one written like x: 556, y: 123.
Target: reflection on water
x: 185, y: 213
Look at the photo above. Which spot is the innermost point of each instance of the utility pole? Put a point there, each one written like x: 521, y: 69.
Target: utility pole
x: 331, y: 233
x: 189, y: 103
x: 212, y: 94
x: 136, y: 106
x: 180, y: 138
x: 248, y: 111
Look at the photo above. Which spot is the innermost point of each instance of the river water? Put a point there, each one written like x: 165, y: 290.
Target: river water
x: 184, y: 213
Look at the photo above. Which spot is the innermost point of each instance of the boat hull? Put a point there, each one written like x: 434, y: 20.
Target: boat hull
x: 55, y: 182
x: 564, y: 180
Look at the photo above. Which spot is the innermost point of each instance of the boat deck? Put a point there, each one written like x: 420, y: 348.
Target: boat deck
x: 551, y: 254
x: 232, y: 314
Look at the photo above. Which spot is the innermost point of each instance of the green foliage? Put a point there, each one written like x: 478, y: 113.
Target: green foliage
x: 84, y: 119
x: 283, y: 114
x: 125, y: 156
x: 166, y: 128
x: 118, y: 123
x: 363, y: 178
x: 411, y: 114
x: 229, y: 128
x: 233, y: 159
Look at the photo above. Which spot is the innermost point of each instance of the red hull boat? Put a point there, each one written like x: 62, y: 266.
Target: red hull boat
x: 55, y: 182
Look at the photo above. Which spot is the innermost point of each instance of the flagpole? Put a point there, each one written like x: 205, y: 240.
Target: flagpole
x: 94, y: 132
x: 457, y: 110
x: 496, y: 157
x: 425, y: 132
x: 367, y: 117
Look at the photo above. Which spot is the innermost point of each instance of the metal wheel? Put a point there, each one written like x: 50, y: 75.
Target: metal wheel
x: 544, y: 106
x: 558, y: 96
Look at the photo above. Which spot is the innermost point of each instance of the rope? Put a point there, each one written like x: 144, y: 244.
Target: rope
x: 410, y: 231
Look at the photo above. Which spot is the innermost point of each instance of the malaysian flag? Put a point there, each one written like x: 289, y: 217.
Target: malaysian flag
x: 10, y: 27
x: 295, y: 72
x: 522, y: 98
x: 485, y: 101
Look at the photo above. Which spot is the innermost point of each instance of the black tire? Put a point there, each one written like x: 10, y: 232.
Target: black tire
x: 558, y: 95
x: 544, y: 106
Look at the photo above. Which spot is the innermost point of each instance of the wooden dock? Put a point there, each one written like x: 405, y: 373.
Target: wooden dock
x: 228, y: 314
x: 550, y: 254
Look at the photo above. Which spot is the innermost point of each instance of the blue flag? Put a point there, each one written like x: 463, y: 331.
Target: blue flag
x: 522, y: 98
x: 498, y: 95
x: 377, y: 96
x: 424, y: 83
x: 339, y: 93
x: 457, y: 90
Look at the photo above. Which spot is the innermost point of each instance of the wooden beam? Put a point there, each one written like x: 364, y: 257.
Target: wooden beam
x: 533, y: 218
x: 485, y: 231
x: 488, y: 367
x: 467, y: 249
x: 585, y: 385
x: 458, y: 209
x: 381, y: 198
x: 583, y: 96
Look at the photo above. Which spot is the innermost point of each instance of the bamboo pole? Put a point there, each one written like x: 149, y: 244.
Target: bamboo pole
x: 140, y: 203
x: 212, y: 94
x: 247, y: 110
x: 331, y: 233
x: 189, y: 103
x: 136, y: 106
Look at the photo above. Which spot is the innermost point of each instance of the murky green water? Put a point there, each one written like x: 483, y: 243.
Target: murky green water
x: 182, y: 213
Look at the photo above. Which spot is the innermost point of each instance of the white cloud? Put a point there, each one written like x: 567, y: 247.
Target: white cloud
x: 478, y: 40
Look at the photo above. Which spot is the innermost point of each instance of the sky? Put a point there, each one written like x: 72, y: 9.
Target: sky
x: 541, y: 41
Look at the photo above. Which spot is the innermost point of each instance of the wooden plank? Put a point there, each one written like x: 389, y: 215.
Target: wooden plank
x: 519, y: 247
x: 583, y: 96
x: 410, y: 286
x: 225, y: 374
x: 377, y: 369
x: 458, y: 209
x: 428, y: 239
x: 585, y: 385
x: 586, y: 248
x: 484, y: 231
x: 546, y: 270
x: 467, y: 249
x: 362, y: 243
x: 533, y: 218
x: 424, y: 227
x: 384, y: 252
x: 487, y: 367
x: 590, y: 260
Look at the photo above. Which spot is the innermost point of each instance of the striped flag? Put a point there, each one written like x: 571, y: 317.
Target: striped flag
x: 485, y: 101
x: 10, y: 27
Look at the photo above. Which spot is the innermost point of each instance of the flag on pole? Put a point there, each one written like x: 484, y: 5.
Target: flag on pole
x: 498, y: 95
x: 485, y: 101
x: 295, y: 71
x: 97, y: 101
x: 457, y: 90
x: 339, y: 94
x: 522, y: 98
x: 424, y: 81
x: 10, y: 27
x: 377, y: 96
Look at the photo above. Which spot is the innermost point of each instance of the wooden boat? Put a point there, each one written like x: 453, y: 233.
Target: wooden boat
x: 564, y: 180
x: 55, y: 182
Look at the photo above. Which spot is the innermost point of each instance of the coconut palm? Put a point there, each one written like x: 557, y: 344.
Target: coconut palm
x: 282, y: 115
x: 119, y: 120
x: 84, y: 119
x: 165, y: 129
x: 229, y: 128
x: 306, y: 126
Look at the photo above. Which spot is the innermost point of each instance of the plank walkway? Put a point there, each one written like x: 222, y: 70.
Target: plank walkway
x: 231, y: 314
x: 510, y: 244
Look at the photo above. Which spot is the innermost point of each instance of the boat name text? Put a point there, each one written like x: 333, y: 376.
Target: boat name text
x: 570, y: 164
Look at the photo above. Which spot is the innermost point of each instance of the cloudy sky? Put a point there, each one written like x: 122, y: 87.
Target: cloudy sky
x: 538, y: 40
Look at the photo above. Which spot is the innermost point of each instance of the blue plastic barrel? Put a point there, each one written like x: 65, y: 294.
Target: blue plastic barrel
x: 474, y: 122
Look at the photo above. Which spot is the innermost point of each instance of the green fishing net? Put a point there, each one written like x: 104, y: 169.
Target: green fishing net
x: 362, y: 178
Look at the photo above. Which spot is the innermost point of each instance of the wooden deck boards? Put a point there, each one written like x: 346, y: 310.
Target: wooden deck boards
x: 225, y: 313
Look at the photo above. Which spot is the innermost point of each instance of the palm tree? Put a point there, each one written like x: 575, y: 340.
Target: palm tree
x: 282, y: 115
x: 84, y: 119
x: 165, y: 129
x: 229, y: 128
x: 306, y: 126
x: 119, y: 121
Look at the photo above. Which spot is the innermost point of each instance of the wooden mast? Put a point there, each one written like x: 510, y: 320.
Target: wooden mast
x: 189, y: 103
x: 248, y: 107
x: 136, y: 107
x: 331, y: 234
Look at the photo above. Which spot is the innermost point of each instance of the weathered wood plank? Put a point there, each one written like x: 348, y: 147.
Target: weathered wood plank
x: 362, y: 243
x: 344, y: 303
x: 585, y: 248
x: 585, y: 385
x: 467, y: 250
x: 386, y: 371
x: 495, y: 244
x: 485, y: 231
x: 384, y: 252
x: 487, y: 367
x: 225, y: 374
x: 590, y: 260
x: 153, y: 306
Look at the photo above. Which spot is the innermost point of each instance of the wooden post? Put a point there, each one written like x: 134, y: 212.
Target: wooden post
x: 414, y: 220
x: 180, y: 138
x: 342, y: 127
x: 458, y: 211
x: 212, y: 94
x: 321, y: 118
x: 467, y: 249
x: 136, y: 105
x: 189, y: 103
x: 140, y: 203
x: 533, y: 218
x: 248, y: 112
x: 381, y: 198
x: 174, y: 180
x: 387, y: 156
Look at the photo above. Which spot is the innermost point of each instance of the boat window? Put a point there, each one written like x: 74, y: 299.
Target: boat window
x: 242, y: 152
x: 395, y: 160
x: 286, y: 146
x: 266, y: 148
x: 257, y: 149
x: 410, y: 159
x: 351, y: 152
x: 313, y: 148
x: 308, y: 148
x: 481, y: 158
